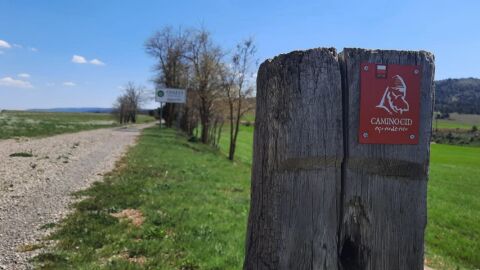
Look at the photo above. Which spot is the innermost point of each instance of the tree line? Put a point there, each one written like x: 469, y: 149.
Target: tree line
x: 218, y: 82
x: 458, y: 95
x: 128, y: 104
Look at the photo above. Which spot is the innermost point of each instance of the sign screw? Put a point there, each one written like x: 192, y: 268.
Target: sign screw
x: 416, y: 71
x: 365, y: 68
x: 412, y: 137
x: 365, y: 135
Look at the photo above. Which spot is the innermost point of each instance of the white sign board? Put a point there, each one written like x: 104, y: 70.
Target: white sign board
x: 170, y: 95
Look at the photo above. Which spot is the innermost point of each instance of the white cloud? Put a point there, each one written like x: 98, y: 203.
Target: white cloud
x: 4, y: 44
x: 11, y: 82
x: 69, y: 84
x: 24, y: 75
x: 97, y: 62
x: 79, y: 59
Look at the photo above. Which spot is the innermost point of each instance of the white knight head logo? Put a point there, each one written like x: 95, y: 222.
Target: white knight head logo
x: 393, y: 100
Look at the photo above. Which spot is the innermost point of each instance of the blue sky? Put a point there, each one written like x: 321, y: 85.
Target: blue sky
x: 38, y: 39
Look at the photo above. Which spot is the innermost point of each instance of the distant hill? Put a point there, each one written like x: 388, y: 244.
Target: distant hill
x: 75, y: 110
x: 458, y: 95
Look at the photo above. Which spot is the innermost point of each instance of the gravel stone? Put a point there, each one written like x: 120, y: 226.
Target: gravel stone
x: 36, y: 190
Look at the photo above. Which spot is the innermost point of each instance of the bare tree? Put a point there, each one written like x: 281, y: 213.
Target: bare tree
x: 191, y: 60
x: 205, y: 60
x: 238, y: 88
x: 129, y: 103
x: 169, y: 48
x: 119, y: 109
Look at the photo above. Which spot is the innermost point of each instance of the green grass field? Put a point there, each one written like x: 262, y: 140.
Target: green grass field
x: 39, y: 124
x: 453, y: 230
x: 195, y: 204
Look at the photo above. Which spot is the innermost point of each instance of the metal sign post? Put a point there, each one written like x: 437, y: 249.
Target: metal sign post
x: 161, y: 113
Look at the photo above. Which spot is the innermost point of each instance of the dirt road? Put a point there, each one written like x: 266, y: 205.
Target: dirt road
x: 35, y: 190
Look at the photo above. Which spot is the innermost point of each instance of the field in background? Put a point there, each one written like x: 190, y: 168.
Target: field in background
x: 460, y: 121
x: 39, y: 124
x: 459, y: 129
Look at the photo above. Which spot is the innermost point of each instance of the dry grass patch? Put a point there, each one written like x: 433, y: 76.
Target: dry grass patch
x: 125, y: 256
x: 131, y: 215
x: 141, y: 260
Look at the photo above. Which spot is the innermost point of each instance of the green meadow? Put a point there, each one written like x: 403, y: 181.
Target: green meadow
x: 40, y: 124
x: 195, y: 203
x: 453, y: 230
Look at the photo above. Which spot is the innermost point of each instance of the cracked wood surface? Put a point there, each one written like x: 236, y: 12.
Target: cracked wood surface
x: 384, y: 214
x: 311, y: 208
x: 297, y: 156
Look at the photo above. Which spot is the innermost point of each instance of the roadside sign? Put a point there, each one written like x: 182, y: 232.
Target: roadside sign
x: 170, y: 95
x: 389, y: 104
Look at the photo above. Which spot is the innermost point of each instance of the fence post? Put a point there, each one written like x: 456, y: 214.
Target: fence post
x: 341, y: 157
x: 298, y: 150
x: 384, y: 179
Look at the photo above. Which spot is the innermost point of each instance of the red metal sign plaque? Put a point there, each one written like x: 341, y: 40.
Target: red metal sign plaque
x: 389, y: 104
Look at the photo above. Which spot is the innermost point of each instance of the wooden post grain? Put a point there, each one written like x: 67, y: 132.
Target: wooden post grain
x: 298, y: 150
x: 320, y: 199
x: 384, y: 186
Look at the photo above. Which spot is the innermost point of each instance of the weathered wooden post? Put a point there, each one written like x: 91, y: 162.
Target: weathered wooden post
x: 341, y: 155
x: 298, y: 151
x: 388, y: 118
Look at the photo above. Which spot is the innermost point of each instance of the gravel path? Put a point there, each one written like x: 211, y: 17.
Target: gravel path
x: 35, y: 191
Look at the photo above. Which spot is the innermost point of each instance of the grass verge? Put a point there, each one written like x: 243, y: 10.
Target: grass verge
x: 192, y: 200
